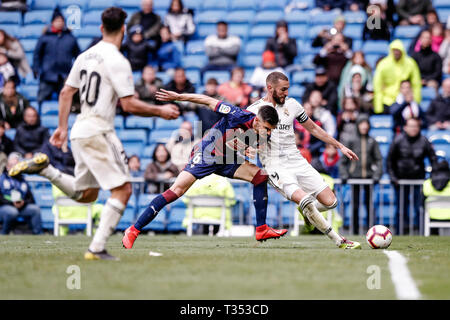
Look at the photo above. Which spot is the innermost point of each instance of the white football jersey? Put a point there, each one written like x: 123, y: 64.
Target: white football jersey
x: 281, y: 146
x: 102, y: 75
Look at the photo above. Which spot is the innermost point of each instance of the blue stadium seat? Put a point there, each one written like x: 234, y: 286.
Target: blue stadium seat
x: 193, y: 76
x: 43, y: 198
x: 49, y: 108
x: 371, y: 59
x: 89, y: 31
x: 38, y: 17
x: 210, y: 16
x: 175, y: 220
x: 439, y: 137
x: 270, y: 4
x: 255, y: 46
x: 221, y: 76
x: 99, y: 4
x: 406, y: 32
x: 29, y: 91
x: 305, y: 47
x: 384, y: 149
x: 214, y: 5
x: 10, y: 17
x: 193, y: 62
x: 240, y: 16
x: 11, y: 133
x: 243, y: 5
x: 193, y: 4
x: 354, y: 31
x: 355, y: 17
x: 205, y: 29
x: 31, y: 31
x: 296, y: 91
x: 137, y: 75
x: 128, y: 218
x: 11, y: 29
x: 251, y: 61
x: 262, y: 31
x: 381, y: 121
x: 145, y: 162
x: 133, y: 148
x: 307, y: 61
x: 300, y: 77
x: 93, y: 17
x: 49, y: 121
x: 439, y: 4
x: 135, y: 122
x: 161, y: 5
x: 195, y: 47
x: 118, y: 122
x: 44, y: 4
x: 323, y: 18
x: 442, y: 150
x: 238, y: 29
x: 47, y: 218
x: 148, y: 151
x: 28, y: 44
x: 84, y: 43
x: 357, y: 45
x: 67, y: 3
x: 425, y: 104
x: 137, y: 135
x: 315, y: 30
x: 428, y: 93
x: 160, y: 136
x: 382, y: 135
x: 165, y: 78
x: 375, y: 47
x: 297, y: 30
x: 268, y: 16
x: 162, y: 124
x: 297, y: 17
x: 129, y: 4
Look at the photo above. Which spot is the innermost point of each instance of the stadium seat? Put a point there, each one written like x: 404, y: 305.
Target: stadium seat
x: 381, y: 121
x: 135, y: 122
x: 442, y: 150
x: 238, y: 29
x: 128, y: 218
x: 428, y: 93
x: 89, y: 31
x: 372, y: 59
x: 355, y: 17
x: 43, y: 198
x: 301, y: 77
x: 49, y: 121
x: 137, y: 75
x: 439, y: 137
x: 210, y: 16
x: 357, y: 45
x: 10, y: 18
x: 268, y: 16
x: 175, y: 220
x: 49, y: 108
x: 133, y: 148
x: 297, y: 17
x: 354, y: 31
x: 214, y: 5
x: 129, y: 4
x: 323, y: 18
x: 193, y: 62
x: 425, y: 104
x: 38, y: 17
x: 195, y: 47
x: 205, y: 29
x: 136, y: 135
x: 441, y: 4
x: 162, y: 124
x: 99, y: 4
x: 93, y: 17
x: 221, y: 76
x: 297, y: 30
x: 148, y: 151
x: 31, y: 31
x: 255, y: 46
x: 193, y: 4
x: 240, y: 16
x: 11, y: 29
x: 251, y: 61
x: 262, y: 31
x: 305, y: 47
x: 29, y: 91
x: 44, y: 4
x: 443, y: 15
x: 375, y: 47
x: 47, y: 218
x: 28, y: 44
x: 118, y: 122
x: 382, y: 135
x: 160, y: 136
x: 145, y: 162
x: 307, y: 61
x: 84, y: 43
x: 193, y: 76
x: 296, y: 91
x: 288, y: 212
x: 165, y: 78
x: 315, y: 30
x: 406, y: 32
x: 67, y: 3
x: 244, y: 5
x: 271, y: 5
x: 11, y: 133
x: 161, y: 5
x: 384, y: 149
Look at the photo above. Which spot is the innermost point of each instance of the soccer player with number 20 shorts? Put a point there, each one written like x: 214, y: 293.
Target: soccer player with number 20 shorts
x: 288, y: 171
x: 221, y: 151
x: 102, y: 75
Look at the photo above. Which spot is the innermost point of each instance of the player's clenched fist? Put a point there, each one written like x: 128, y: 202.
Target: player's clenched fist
x: 169, y: 111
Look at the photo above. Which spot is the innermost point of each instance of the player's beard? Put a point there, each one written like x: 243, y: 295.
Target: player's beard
x: 277, y: 99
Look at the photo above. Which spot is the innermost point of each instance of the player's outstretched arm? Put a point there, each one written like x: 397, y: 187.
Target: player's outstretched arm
x: 321, y: 134
x: 65, y: 102
x: 164, y: 95
x: 140, y: 108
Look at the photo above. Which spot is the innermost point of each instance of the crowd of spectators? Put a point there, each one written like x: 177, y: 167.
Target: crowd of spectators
x: 345, y: 91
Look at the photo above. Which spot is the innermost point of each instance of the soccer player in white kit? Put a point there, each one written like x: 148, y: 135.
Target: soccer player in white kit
x: 288, y: 171
x: 102, y: 75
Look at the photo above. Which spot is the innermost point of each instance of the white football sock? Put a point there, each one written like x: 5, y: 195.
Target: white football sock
x: 63, y: 181
x: 110, y: 217
x: 317, y: 220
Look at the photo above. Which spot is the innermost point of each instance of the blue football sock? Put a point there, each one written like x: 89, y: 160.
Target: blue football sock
x: 260, y: 202
x: 154, y: 207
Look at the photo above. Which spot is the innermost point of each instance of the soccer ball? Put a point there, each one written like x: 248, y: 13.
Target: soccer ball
x: 379, y: 237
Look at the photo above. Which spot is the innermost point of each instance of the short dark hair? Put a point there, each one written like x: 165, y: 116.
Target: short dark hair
x: 113, y: 18
x: 276, y: 76
x: 268, y: 114
x: 405, y: 81
x: 222, y: 22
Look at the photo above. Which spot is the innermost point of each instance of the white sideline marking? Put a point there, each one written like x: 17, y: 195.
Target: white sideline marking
x: 405, y: 286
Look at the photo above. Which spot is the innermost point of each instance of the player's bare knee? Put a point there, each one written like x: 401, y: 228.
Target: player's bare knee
x: 89, y: 195
x: 178, y: 190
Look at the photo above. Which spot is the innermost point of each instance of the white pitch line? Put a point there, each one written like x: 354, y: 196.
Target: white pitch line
x: 405, y: 287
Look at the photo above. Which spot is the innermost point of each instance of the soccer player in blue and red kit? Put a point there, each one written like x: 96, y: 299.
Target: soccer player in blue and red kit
x: 218, y: 152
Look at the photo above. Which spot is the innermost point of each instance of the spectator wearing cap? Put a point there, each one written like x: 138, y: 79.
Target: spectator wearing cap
x: 333, y: 56
x: 221, y: 49
x: 12, y: 105
x: 180, y: 21
x: 168, y: 55
x: 53, y: 57
x: 269, y: 65
x: 236, y: 91
x: 413, y: 12
x: 429, y: 62
x: 327, y: 88
x: 390, y: 72
x: 150, y: 21
x: 284, y: 47
x: 438, y: 113
x: 326, y: 35
x: 136, y: 49
x: 16, y: 200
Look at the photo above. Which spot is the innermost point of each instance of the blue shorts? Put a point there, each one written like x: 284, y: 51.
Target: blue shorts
x: 200, y: 168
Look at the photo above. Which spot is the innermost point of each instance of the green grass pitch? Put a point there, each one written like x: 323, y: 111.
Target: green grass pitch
x: 201, y: 267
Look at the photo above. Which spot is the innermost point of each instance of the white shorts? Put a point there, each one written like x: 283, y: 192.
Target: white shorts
x: 100, y: 161
x: 291, y: 175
